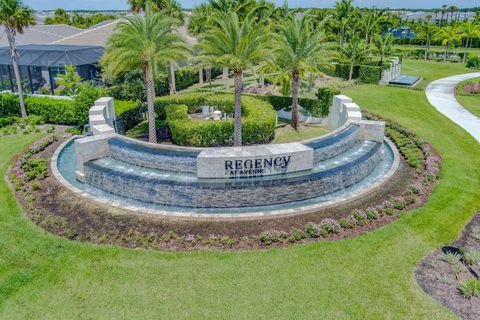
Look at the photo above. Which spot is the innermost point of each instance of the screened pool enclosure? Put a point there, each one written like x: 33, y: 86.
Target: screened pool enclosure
x: 40, y: 65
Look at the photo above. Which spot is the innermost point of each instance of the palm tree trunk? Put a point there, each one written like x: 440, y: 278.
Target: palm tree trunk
x: 464, y: 59
x: 225, y: 77
x: 152, y: 130
x: 310, y: 83
x: 171, y: 79
x: 200, y: 76
x: 350, y: 76
x: 209, y: 76
x: 237, y: 135
x: 16, y: 71
x: 295, y: 78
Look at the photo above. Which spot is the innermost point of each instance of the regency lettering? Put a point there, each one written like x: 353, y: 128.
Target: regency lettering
x: 265, y: 163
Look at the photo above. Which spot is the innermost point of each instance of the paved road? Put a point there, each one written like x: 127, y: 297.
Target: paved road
x: 441, y: 94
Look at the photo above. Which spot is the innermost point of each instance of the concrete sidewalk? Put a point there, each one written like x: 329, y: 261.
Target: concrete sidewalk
x: 441, y: 94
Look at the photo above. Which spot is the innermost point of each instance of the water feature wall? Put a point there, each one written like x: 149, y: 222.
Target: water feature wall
x: 188, y: 191
x: 168, y: 175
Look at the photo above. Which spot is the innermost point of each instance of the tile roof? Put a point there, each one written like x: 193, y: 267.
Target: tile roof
x: 40, y: 34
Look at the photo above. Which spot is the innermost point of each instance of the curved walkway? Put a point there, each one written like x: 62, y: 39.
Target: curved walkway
x: 441, y: 94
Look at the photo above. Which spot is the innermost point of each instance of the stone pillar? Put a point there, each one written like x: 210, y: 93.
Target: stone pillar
x: 337, y: 115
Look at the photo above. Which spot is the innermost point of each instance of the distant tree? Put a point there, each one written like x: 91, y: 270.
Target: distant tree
x: 296, y: 47
x: 384, y: 45
x: 15, y: 17
x: 470, y: 31
x: 70, y: 81
x: 237, y: 45
x: 344, y: 9
x: 427, y: 33
x: 453, y: 9
x: 144, y: 42
x: 444, y: 11
x: 171, y: 7
x: 354, y: 52
x: 448, y: 36
x: 200, y: 19
x: 369, y: 22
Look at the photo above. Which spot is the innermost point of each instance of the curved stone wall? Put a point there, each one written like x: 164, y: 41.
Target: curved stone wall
x: 175, y: 176
x: 212, y: 193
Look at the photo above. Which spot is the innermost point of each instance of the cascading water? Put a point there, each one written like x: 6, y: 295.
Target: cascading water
x: 166, y: 180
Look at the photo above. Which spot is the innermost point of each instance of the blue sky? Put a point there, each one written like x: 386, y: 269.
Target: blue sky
x: 122, y: 4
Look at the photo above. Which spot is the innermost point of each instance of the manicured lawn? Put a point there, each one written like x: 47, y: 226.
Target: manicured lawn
x: 431, y: 70
x: 368, y: 277
x: 470, y: 102
x: 287, y: 134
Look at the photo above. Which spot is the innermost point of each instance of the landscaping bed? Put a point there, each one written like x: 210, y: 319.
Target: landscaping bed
x: 450, y: 274
x: 59, y: 211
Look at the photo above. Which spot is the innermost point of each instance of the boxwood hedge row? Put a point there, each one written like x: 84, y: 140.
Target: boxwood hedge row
x: 67, y: 112
x: 258, y: 126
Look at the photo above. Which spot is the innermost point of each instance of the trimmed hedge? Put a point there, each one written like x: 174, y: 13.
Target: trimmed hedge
x: 67, y: 112
x: 51, y: 110
x: 133, y: 88
x: 258, y: 126
x: 316, y: 108
x: 370, y: 73
x: 54, y: 111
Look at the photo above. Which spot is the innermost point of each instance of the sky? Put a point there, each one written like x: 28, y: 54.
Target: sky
x: 122, y: 4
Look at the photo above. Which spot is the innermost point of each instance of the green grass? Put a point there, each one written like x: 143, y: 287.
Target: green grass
x: 287, y: 134
x: 431, y: 70
x: 471, y: 102
x: 368, y: 277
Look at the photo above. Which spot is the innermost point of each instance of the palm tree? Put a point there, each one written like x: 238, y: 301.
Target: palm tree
x: 452, y: 9
x: 370, y: 21
x: 343, y: 9
x: 236, y: 45
x: 444, y: 10
x: 355, y: 51
x: 448, y: 36
x: 15, y: 17
x: 384, y: 45
x: 427, y: 32
x: 470, y: 31
x: 296, y: 48
x: 171, y: 8
x: 144, y: 43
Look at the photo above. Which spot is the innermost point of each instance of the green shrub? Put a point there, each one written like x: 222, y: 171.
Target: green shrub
x: 370, y: 74
x: 35, y: 169
x: 367, y: 72
x: 9, y: 120
x: 471, y: 257
x: 9, y: 105
x: 53, y: 110
x: 84, y: 101
x: 470, y: 288
x: 316, y: 108
x: 123, y: 106
x: 258, y: 119
x: 473, y: 63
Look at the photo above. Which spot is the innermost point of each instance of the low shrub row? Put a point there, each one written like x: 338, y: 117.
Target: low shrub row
x: 27, y: 168
x: 365, y: 73
x: 55, y: 111
x: 258, y: 125
x: 314, y: 107
x: 132, y: 86
x: 428, y: 166
x: 66, y: 112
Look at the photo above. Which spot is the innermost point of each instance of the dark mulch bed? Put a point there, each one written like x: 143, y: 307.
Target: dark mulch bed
x: 436, y: 277
x: 61, y: 212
